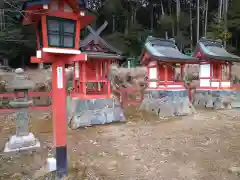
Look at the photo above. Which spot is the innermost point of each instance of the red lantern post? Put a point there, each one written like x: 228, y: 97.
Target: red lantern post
x: 58, y: 25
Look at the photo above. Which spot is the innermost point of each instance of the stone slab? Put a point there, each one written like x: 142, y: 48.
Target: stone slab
x: 167, y: 103
x: 217, y: 99
x: 20, y: 143
x: 83, y: 113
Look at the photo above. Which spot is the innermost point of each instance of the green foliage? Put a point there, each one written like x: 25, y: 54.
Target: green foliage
x: 131, y: 22
x: 217, y: 30
x: 166, y: 22
x: 234, y: 15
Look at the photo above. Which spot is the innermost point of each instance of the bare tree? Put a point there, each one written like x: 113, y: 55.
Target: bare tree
x: 198, y: 19
x: 191, y: 26
x: 220, y: 6
x: 206, y: 18
x: 225, y: 7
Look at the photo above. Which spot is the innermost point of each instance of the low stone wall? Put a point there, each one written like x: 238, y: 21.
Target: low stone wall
x: 82, y: 113
x: 216, y: 99
x: 167, y: 103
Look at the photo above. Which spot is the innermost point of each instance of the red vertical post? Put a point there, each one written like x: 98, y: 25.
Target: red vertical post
x: 165, y: 75
x: 59, y: 116
x: 230, y: 71
x: 211, y: 71
x: 108, y: 84
x: 182, y: 71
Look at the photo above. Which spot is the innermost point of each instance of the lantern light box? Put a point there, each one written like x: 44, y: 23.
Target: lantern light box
x: 58, y: 24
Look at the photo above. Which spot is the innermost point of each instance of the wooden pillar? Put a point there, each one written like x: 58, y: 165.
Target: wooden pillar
x: 84, y: 85
x: 108, y: 84
x: 211, y: 71
x: 165, y: 73
x: 59, y: 116
x: 230, y: 70
x: 182, y: 70
x: 220, y: 71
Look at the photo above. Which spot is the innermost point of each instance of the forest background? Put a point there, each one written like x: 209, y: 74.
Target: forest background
x: 131, y: 21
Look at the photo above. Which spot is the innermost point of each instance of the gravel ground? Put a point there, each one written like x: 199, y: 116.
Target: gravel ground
x: 199, y: 147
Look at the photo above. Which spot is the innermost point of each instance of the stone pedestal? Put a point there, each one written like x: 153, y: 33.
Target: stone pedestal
x: 18, y: 143
x: 167, y: 103
x: 216, y: 99
x: 82, y: 113
x: 23, y: 139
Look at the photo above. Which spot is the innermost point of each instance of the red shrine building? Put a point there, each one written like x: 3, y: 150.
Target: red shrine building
x: 96, y: 105
x: 162, y: 57
x: 215, y: 65
x: 165, y: 95
x: 100, y: 55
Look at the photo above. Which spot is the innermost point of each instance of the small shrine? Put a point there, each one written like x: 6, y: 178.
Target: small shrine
x: 215, y: 86
x: 91, y: 78
x: 165, y: 95
x: 92, y: 99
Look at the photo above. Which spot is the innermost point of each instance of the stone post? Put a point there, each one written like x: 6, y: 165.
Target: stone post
x: 23, y: 140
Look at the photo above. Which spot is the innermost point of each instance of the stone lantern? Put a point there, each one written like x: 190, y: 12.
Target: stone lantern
x: 22, y: 140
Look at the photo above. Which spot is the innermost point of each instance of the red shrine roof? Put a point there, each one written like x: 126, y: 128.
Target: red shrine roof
x: 208, y: 49
x: 164, y: 50
x: 96, y: 46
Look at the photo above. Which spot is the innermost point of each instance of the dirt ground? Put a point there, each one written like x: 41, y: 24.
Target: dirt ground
x: 199, y: 147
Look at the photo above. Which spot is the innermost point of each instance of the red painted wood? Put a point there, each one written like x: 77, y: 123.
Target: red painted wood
x: 62, y: 14
x: 230, y: 71
x: 59, y: 105
x: 44, y: 31
x: 51, y: 57
x: 37, y: 36
x: 77, y: 39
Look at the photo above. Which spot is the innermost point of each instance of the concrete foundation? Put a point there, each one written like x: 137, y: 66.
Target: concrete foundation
x: 18, y: 143
x: 167, y: 103
x: 82, y: 113
x: 216, y: 99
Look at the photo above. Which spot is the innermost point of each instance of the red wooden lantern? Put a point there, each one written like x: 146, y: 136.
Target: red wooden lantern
x: 58, y: 24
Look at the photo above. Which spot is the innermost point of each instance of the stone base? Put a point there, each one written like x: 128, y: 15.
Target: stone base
x: 51, y: 164
x: 167, y: 103
x: 82, y: 113
x: 216, y: 99
x: 19, y: 143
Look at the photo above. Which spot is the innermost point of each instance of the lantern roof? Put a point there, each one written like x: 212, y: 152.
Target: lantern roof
x: 213, y: 50
x: 33, y: 9
x: 165, y: 50
x: 74, y: 4
x: 95, y: 46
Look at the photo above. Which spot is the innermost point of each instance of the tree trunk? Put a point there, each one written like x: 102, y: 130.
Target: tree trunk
x: 163, y: 14
x: 225, y: 22
x: 237, y: 42
x: 198, y: 18
x: 132, y: 16
x: 113, y: 24
x: 126, y: 26
x: 178, y: 9
x: 170, y: 13
x: 191, y: 26
x: 151, y: 18
x: 220, y: 6
x: 206, y: 19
